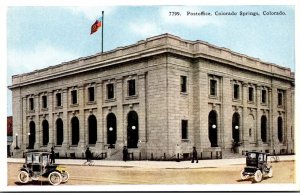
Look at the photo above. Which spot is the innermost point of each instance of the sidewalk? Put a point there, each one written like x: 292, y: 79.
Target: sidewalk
x: 156, y: 164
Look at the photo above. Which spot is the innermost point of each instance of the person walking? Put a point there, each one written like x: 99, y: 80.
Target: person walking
x: 194, y: 155
x: 88, y: 154
x: 52, y: 156
x: 125, y: 153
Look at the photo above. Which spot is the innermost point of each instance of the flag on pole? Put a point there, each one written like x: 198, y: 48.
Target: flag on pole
x: 96, y: 25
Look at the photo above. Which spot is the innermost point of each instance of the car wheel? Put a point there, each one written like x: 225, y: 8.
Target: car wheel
x: 23, y: 177
x: 258, y: 176
x: 65, y: 176
x: 270, y: 174
x: 243, y: 177
x: 55, y: 178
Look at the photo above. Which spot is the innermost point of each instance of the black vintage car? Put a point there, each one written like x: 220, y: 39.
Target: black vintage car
x: 257, y: 166
x: 37, y: 164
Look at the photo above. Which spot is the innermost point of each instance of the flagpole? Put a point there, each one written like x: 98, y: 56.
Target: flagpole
x: 102, y: 31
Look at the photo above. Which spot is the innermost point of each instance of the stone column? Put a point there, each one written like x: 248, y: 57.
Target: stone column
x: 227, y: 112
x: 244, y: 134
x: 142, y: 107
x: 38, y: 130
x: 65, y: 118
x: 51, y: 127
x: 82, y: 130
x: 100, y: 128
x: 121, y: 128
x: 257, y: 133
x: 271, y: 138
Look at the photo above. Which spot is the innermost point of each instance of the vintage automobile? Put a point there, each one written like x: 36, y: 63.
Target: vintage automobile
x: 257, y: 166
x: 37, y: 164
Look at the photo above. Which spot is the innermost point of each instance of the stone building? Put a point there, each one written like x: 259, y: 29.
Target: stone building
x: 158, y: 96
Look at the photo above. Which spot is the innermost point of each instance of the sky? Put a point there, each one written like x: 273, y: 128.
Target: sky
x: 38, y: 37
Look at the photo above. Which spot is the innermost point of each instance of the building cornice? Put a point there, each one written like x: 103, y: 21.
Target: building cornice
x: 165, y: 43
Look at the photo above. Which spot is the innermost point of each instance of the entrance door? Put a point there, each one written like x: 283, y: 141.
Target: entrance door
x: 213, y: 129
x: 132, y: 129
x: 111, y: 129
x: 31, y: 135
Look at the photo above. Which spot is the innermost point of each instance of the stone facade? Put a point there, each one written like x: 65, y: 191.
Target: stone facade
x: 185, y: 94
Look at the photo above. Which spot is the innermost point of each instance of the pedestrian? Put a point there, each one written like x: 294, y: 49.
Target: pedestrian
x: 194, y: 155
x: 88, y: 154
x: 125, y: 153
x: 52, y: 156
x: 177, y: 153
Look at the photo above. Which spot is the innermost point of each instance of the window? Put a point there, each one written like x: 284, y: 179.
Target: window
x: 44, y: 101
x: 31, y: 104
x: 280, y: 99
x: 213, y: 87
x: 250, y: 94
x: 184, y: 129
x: 91, y: 91
x: 236, y: 91
x: 131, y: 87
x: 183, y: 83
x: 263, y: 96
x: 58, y: 99
x: 110, y: 91
x: 74, y: 96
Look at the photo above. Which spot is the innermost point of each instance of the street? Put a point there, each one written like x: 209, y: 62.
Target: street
x: 284, y: 172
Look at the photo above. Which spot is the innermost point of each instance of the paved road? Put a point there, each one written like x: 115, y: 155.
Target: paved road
x: 153, y: 172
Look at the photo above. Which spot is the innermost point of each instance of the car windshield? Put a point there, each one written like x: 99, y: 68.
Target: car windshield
x: 252, y: 155
x: 36, y: 158
x: 29, y: 158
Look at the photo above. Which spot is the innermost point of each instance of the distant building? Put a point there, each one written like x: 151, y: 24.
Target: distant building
x: 153, y: 95
x: 9, y: 134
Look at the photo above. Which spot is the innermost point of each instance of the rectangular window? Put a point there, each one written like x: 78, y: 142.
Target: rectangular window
x: 31, y: 104
x: 236, y: 91
x: 184, y: 129
x: 263, y: 96
x: 91, y: 91
x: 110, y: 91
x: 183, y: 83
x: 250, y: 94
x: 131, y: 87
x: 280, y: 99
x: 74, y: 96
x: 58, y: 99
x: 44, y: 101
x: 213, y: 87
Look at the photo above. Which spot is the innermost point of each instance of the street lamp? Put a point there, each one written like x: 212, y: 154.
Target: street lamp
x: 213, y: 126
x: 110, y: 129
x: 236, y: 127
x: 28, y: 140
x: 17, y: 147
x: 133, y: 127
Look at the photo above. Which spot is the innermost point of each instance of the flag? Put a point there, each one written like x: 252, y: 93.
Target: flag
x: 96, y: 25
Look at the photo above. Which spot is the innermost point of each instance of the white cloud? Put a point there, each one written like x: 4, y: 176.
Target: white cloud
x: 144, y: 29
x: 183, y: 19
x: 92, y: 13
x: 41, y: 56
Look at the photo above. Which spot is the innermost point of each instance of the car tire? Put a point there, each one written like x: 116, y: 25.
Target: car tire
x: 65, y: 176
x: 23, y: 177
x: 55, y: 178
x: 243, y: 177
x: 270, y: 174
x: 258, y: 176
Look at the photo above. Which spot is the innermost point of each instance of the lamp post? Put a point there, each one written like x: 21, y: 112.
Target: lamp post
x: 17, y: 147
x: 28, y: 140
x: 110, y: 145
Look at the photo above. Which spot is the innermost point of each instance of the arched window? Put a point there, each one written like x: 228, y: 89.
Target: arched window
x: 75, y: 130
x: 279, y: 128
x: 213, y: 129
x: 45, y: 132
x: 31, y: 135
x: 263, y: 128
x: 236, y: 127
x: 59, y: 131
x: 92, y: 129
x: 111, y: 123
x: 132, y: 129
